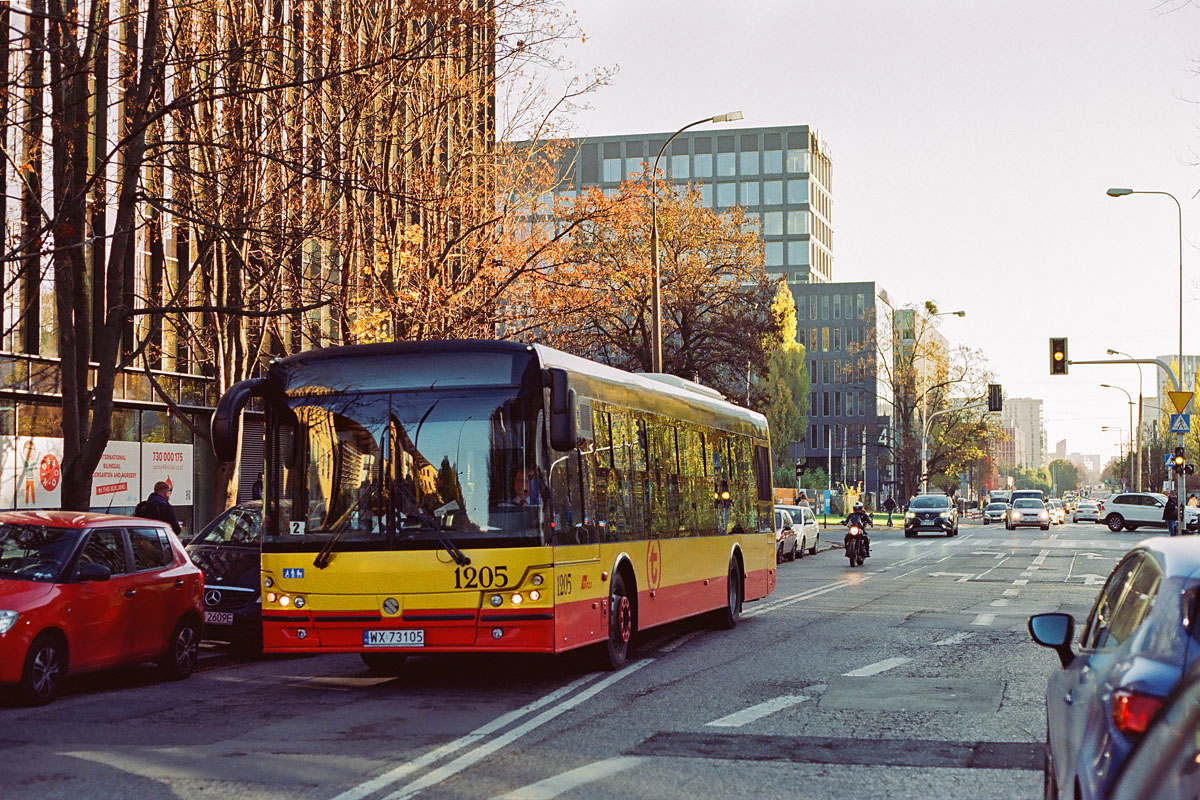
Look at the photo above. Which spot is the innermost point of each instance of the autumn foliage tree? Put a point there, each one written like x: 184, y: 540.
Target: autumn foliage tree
x: 592, y: 293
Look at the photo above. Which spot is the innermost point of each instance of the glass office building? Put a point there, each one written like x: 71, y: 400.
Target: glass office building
x: 782, y: 176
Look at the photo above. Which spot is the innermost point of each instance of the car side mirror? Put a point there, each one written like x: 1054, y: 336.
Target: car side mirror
x: 93, y: 572
x: 1056, y: 632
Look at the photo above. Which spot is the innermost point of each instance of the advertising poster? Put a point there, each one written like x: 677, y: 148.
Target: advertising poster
x: 116, y: 481
x: 171, y: 463
x: 32, y: 472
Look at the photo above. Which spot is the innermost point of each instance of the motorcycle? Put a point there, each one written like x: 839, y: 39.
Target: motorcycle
x: 855, y: 548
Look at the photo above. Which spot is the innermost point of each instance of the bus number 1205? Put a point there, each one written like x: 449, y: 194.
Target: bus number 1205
x: 482, y: 578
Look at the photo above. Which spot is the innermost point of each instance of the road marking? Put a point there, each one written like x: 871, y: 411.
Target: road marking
x: 795, y: 598
x: 1020, y: 581
x: 999, y: 603
x: 1011, y: 592
x: 573, y: 779
x: 876, y: 668
x: 1041, y: 558
x: 680, y: 642
x: 962, y: 577
x: 748, y: 715
x: 472, y: 757
x: 401, y: 771
x: 955, y: 639
x: 984, y: 619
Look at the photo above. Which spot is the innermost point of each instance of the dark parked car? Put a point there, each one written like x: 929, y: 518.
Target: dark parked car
x: 1137, y: 642
x: 931, y: 512
x: 227, y: 550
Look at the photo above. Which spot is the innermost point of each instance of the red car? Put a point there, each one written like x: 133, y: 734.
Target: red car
x: 81, y: 592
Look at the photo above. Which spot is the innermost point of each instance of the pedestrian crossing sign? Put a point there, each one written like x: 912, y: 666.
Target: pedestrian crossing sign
x: 1181, y: 423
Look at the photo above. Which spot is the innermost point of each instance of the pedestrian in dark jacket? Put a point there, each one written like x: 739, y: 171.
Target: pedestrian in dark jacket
x: 889, y: 506
x: 158, y: 506
x: 1171, y: 514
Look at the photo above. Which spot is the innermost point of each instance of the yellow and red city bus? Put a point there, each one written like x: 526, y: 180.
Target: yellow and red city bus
x: 463, y: 496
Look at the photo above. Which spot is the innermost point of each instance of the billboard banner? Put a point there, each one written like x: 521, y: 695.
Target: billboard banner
x: 32, y: 472
x: 171, y: 463
x: 116, y: 481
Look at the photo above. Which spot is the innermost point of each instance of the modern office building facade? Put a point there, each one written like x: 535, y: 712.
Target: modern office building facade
x: 1026, y: 413
x: 781, y: 176
x: 849, y: 423
x: 1191, y: 364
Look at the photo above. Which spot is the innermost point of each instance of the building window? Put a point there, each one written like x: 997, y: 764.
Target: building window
x: 772, y: 223
x: 726, y: 165
x: 861, y: 302
x: 812, y: 435
x: 824, y: 306
x: 797, y: 191
x: 812, y: 402
x: 812, y: 301
x: 837, y: 404
x: 797, y: 222
x: 679, y: 167
x: 703, y: 164
x: 797, y: 161
x: 726, y: 194
x: 812, y: 338
x: 837, y: 338
x: 772, y: 162
x: 837, y: 306
x: 798, y: 256
x: 826, y: 439
x: 812, y: 369
x: 825, y: 339
x: 750, y: 193
x: 800, y: 335
x: 773, y: 253
x: 706, y: 195
x: 772, y: 193
x: 825, y: 403
x: 825, y: 372
x: 749, y: 165
x: 611, y: 170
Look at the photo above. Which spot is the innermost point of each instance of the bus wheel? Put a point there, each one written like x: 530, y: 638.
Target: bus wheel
x: 620, y: 624
x: 384, y: 663
x: 727, y: 618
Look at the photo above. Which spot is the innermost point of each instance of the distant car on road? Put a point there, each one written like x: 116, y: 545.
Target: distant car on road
x: 805, y: 525
x: 1058, y: 514
x: 1028, y: 512
x: 785, y: 536
x: 931, y: 512
x: 995, y: 512
x: 1134, y: 649
x: 82, y: 592
x: 1086, y: 510
x: 227, y: 550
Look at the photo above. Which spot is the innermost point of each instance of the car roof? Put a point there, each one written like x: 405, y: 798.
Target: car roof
x: 1180, y: 554
x: 70, y: 519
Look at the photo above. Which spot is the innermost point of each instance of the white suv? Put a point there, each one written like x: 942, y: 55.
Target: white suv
x: 1133, y: 510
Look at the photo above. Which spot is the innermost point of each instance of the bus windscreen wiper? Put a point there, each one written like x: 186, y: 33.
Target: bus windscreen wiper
x: 449, y: 546
x: 326, y: 552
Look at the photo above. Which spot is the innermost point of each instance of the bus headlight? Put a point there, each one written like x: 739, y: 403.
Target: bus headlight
x: 517, y: 599
x: 267, y: 582
x: 284, y: 600
x: 534, y: 596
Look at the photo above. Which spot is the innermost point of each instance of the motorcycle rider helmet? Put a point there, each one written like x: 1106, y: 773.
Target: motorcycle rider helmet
x: 858, y: 506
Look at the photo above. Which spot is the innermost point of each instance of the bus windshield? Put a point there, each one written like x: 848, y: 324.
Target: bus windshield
x: 406, y: 470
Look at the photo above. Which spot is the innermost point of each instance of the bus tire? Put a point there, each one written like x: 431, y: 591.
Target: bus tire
x: 617, y: 646
x: 727, y: 617
x: 384, y: 663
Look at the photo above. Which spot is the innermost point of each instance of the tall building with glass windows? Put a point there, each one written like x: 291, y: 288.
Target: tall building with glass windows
x: 782, y: 176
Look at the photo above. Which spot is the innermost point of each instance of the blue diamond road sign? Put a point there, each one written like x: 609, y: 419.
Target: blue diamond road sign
x: 1181, y: 423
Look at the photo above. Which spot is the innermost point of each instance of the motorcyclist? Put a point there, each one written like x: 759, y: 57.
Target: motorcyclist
x: 859, y: 517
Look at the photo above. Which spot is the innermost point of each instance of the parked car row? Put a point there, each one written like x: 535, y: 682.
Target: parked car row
x: 796, y: 531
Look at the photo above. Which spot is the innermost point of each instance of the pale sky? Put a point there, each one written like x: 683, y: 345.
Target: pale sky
x: 972, y: 146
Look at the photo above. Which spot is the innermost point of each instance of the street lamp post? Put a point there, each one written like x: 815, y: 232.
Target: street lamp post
x: 925, y: 417
x: 656, y: 363
x: 1120, y: 438
x: 1119, y: 389
x: 1119, y: 192
x: 1112, y: 352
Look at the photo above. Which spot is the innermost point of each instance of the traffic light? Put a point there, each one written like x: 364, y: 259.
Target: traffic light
x: 995, y: 397
x: 1058, y: 355
x: 1177, y: 463
x: 799, y: 468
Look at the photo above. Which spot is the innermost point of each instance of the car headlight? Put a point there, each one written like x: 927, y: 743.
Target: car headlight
x: 1015, y: 515
x: 7, y: 620
x: 910, y: 515
x: 1043, y: 515
x: 944, y: 515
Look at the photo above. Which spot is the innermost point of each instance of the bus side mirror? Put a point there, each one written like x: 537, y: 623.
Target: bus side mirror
x: 563, y: 432
x: 226, y: 420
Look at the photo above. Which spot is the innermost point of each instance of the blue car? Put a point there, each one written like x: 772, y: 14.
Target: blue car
x: 1135, y: 646
x: 1164, y: 764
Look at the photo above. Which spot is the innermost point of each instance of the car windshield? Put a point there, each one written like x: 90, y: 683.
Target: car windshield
x: 996, y: 506
x: 235, y: 526
x: 35, y: 552
x: 1028, y: 502
x: 930, y: 501
x: 409, y: 469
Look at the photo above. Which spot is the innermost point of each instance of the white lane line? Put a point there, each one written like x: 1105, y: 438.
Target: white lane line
x: 918, y: 569
x: 984, y: 619
x: 955, y: 639
x: 876, y: 668
x: 999, y: 603
x: 1041, y: 558
x: 472, y: 757
x: 680, y: 642
x: 747, y: 715
x: 386, y: 779
x: 1011, y: 592
x: 795, y: 598
x: 573, y: 779
x: 1002, y: 559
x: 1020, y: 581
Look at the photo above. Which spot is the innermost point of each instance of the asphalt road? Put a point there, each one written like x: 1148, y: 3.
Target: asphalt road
x: 910, y: 677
